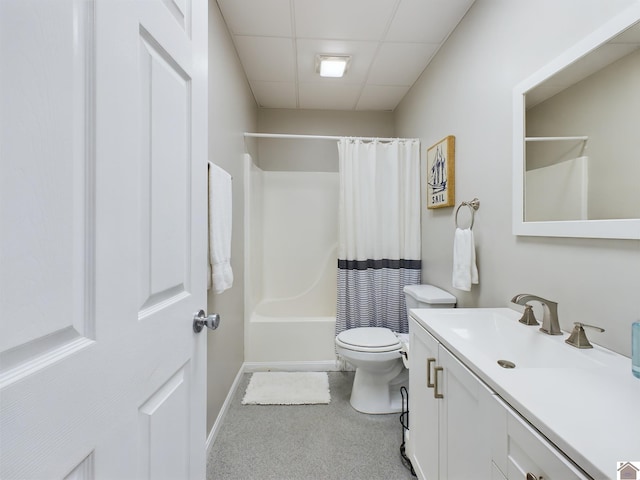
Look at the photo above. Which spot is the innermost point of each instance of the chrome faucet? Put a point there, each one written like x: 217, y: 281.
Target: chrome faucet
x: 550, y: 323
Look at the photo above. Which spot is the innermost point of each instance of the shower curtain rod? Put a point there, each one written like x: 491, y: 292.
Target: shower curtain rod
x: 582, y: 138
x: 318, y: 137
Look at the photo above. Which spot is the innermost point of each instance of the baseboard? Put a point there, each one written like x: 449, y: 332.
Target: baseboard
x: 311, y: 366
x: 223, y: 410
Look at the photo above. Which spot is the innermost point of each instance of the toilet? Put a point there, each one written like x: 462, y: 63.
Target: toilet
x: 375, y: 352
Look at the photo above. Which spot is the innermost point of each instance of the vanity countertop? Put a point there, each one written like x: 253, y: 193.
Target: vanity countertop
x: 585, y: 401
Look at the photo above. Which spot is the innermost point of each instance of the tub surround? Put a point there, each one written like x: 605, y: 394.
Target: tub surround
x: 584, y: 401
x: 291, y: 247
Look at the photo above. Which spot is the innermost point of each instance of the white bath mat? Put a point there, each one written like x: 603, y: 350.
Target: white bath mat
x: 287, y: 388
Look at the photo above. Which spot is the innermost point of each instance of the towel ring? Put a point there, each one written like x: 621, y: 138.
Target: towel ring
x: 473, y: 206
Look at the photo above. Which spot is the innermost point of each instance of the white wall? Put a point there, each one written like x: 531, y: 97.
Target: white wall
x: 232, y: 111
x: 314, y: 155
x: 467, y: 91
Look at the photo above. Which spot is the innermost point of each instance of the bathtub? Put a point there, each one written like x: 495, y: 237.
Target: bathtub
x: 290, y: 265
x: 296, y: 329
x: 291, y: 335
x: 291, y: 236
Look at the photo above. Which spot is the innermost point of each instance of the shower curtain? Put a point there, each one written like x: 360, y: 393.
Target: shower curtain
x: 379, y: 232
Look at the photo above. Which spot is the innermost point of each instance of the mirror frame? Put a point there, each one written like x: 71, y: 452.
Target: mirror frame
x: 616, y: 228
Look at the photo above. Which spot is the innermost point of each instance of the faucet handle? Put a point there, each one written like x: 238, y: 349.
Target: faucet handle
x: 578, y: 337
x: 528, y: 318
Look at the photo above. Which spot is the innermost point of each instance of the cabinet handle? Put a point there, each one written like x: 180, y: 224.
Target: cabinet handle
x: 531, y: 476
x: 429, y: 362
x: 435, y: 389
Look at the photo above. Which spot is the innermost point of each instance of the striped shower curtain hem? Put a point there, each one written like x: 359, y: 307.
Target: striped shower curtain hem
x: 370, y: 293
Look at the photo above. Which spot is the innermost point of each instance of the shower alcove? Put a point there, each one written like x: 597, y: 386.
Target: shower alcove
x: 291, y: 233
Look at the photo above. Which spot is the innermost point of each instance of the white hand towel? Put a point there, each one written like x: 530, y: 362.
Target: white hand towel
x: 220, y: 275
x: 465, y: 271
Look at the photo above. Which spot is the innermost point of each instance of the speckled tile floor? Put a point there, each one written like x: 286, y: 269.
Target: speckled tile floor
x: 307, y: 442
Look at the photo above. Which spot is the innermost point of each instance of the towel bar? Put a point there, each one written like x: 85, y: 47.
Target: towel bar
x: 473, y: 206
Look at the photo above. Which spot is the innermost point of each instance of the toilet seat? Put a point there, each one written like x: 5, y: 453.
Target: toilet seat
x: 369, y: 339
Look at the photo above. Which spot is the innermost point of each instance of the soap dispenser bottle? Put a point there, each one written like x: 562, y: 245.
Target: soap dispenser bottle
x: 635, y: 348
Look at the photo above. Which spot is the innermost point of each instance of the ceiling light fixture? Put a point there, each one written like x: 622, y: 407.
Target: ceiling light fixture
x: 334, y: 66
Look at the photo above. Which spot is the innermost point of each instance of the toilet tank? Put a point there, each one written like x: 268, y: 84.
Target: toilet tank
x: 427, y: 296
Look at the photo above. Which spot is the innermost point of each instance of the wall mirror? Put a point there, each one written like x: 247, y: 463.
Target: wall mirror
x: 576, y: 161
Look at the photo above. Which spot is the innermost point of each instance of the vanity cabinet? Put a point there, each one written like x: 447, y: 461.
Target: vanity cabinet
x: 461, y: 429
x: 450, y: 411
x: 528, y: 455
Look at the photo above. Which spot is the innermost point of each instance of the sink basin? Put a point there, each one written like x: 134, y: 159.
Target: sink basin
x: 487, y: 335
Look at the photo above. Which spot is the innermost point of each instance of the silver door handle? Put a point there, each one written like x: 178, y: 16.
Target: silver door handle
x: 437, y: 394
x: 201, y: 320
x: 430, y: 384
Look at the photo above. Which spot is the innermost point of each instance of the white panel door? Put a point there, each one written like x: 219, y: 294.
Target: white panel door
x: 102, y: 238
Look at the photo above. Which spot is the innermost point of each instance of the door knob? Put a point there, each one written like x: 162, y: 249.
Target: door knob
x: 201, y: 320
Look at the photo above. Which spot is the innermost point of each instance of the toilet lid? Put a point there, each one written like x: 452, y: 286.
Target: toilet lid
x: 369, y: 339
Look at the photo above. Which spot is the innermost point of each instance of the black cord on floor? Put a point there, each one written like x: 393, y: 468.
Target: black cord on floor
x: 404, y: 421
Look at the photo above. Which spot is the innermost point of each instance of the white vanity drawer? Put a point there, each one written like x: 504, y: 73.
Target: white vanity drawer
x: 531, y: 456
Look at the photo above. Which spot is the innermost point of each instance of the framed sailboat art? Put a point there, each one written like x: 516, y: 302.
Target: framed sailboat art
x: 441, y: 173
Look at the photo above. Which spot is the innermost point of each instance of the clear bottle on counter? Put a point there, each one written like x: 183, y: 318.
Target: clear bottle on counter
x: 635, y: 348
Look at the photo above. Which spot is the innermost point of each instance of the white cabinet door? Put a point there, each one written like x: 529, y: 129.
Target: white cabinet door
x: 103, y: 237
x: 451, y: 413
x: 423, y: 407
x: 465, y: 426
x: 530, y: 455
x: 519, y: 451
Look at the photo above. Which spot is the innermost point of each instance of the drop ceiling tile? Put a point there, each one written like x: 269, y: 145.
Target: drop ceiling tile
x: 361, y: 56
x: 328, y: 96
x: 376, y: 97
x: 277, y: 41
x: 257, y: 17
x: 266, y: 59
x: 275, y: 94
x: 343, y: 19
x: 426, y: 21
x: 400, y: 63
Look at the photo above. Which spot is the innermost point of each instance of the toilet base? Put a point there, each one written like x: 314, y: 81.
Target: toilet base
x: 372, y: 394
